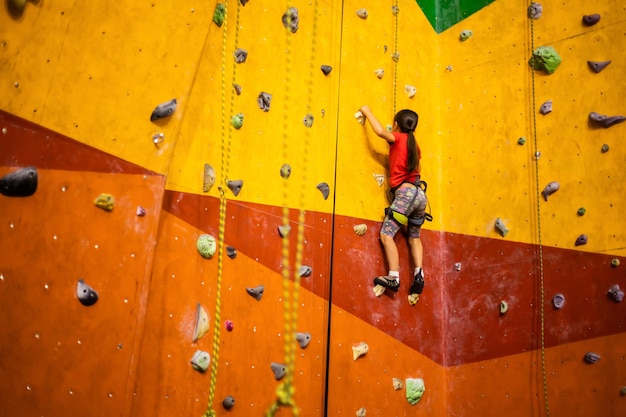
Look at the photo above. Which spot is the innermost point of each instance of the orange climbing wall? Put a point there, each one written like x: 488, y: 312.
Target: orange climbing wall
x: 79, y: 82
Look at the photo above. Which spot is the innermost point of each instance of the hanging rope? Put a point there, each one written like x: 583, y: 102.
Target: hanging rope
x: 286, y: 390
x: 396, y: 55
x: 225, y: 165
x: 539, y: 243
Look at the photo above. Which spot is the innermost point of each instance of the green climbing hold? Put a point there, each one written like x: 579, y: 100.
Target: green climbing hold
x: 581, y: 211
x: 219, y: 14
x: 237, y: 121
x: 414, y: 390
x: 545, y: 58
x: 206, y: 245
x: 521, y: 141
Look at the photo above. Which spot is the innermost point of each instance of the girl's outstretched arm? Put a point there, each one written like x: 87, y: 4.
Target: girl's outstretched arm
x: 376, y: 126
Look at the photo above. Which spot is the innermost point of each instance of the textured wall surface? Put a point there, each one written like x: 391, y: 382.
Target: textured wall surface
x: 78, y: 83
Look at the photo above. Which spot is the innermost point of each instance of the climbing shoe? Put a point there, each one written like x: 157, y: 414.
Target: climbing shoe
x: 418, y: 283
x: 388, y: 282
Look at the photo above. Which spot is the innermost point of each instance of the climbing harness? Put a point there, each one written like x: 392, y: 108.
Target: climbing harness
x: 225, y: 162
x: 539, y: 244
x: 404, y: 220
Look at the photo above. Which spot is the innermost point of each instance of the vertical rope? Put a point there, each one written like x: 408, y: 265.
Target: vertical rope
x: 396, y: 12
x: 226, y: 136
x: 539, y: 243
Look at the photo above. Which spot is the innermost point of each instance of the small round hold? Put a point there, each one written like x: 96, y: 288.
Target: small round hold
x: 581, y: 240
x: 264, y: 100
x: 240, y: 55
x: 535, y: 10
x: 86, y: 295
x: 410, y: 90
x: 228, y: 402
x: 395, y: 56
x: 200, y: 361
x: 558, y: 301
x: 465, y: 35
x: 581, y: 211
x: 605, y: 148
x: 521, y: 141
x: 105, y: 201
x: 379, y: 72
x: 623, y: 391
x: 591, y: 357
x: 206, y: 245
x: 616, y: 293
x: 231, y: 252
x: 326, y: 69
x: 546, y: 107
x: 591, y: 19
x: 229, y: 325
x: 140, y: 212
x: 285, y: 171
x: 164, y: 110
x: 615, y: 262
x: 504, y: 307
x: 290, y: 19
x: 237, y: 121
x: 362, y: 13
x: 308, y: 120
x: 457, y: 266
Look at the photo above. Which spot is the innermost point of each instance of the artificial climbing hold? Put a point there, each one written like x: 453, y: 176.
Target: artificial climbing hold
x: 200, y: 361
x: 324, y: 189
x: 158, y: 138
x: 240, y: 55
x: 605, y: 121
x: 105, y: 202
x: 326, y: 69
x: 501, y: 227
x: 395, y: 56
x: 379, y: 72
x: 622, y: 391
x: 231, y: 252
x: 359, y: 350
x: 465, y: 35
x: 413, y: 299
x: 285, y: 171
x: 202, y: 323
x: 290, y: 19
x: 550, y: 189
x: 504, y: 307
x: 521, y: 141
x: 558, y: 301
x: 604, y: 148
x: 380, y: 179
x: 228, y: 402
x: 284, y: 230
x: 591, y: 19
x: 616, y: 293
x: 397, y: 383
x: 164, y: 110
x: 17, y: 5
x: 359, y: 117
x: 535, y: 10
x: 308, y: 120
x: 361, y: 412
x: 597, y: 66
x: 229, y: 325
x: 86, y: 295
x: 279, y: 370
x: 219, y: 14
x: 305, y: 271
x: 206, y: 245
x: 410, y: 90
x: 414, y: 390
x: 378, y: 290
x: 581, y: 211
x: 615, y: 262
x: 395, y: 10
x: 208, y: 178
x: 545, y: 58
x: 303, y: 339
x: 140, y: 212
x: 457, y: 266
x: 591, y: 357
x: 237, y: 88
x: 362, y: 13
x: 546, y: 107
x: 20, y: 183
x: 360, y: 229
x: 256, y: 292
x: 235, y: 186
x: 264, y: 100
x: 237, y: 121
x: 581, y: 240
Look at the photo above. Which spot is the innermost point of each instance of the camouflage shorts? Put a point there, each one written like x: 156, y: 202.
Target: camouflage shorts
x: 402, y: 199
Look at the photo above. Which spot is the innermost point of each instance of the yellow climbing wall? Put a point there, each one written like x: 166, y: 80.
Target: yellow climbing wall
x: 94, y: 72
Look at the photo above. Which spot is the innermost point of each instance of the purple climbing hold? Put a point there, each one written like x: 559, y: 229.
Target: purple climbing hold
x: 229, y: 325
x: 546, y: 107
x: 228, y: 402
x: 240, y: 55
x: 597, y: 66
x: 581, y: 240
x: 264, y: 100
x: 616, y: 293
x: 164, y: 110
x: 605, y: 121
x: 279, y: 370
x: 558, y: 301
x: 140, y: 211
x: 550, y: 189
x: 591, y: 19
x: 535, y: 10
x: 591, y: 357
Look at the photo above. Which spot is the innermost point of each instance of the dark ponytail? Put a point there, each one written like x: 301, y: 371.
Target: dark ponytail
x: 407, y: 122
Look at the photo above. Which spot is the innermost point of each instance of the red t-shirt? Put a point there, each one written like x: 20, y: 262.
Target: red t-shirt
x: 398, y: 161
